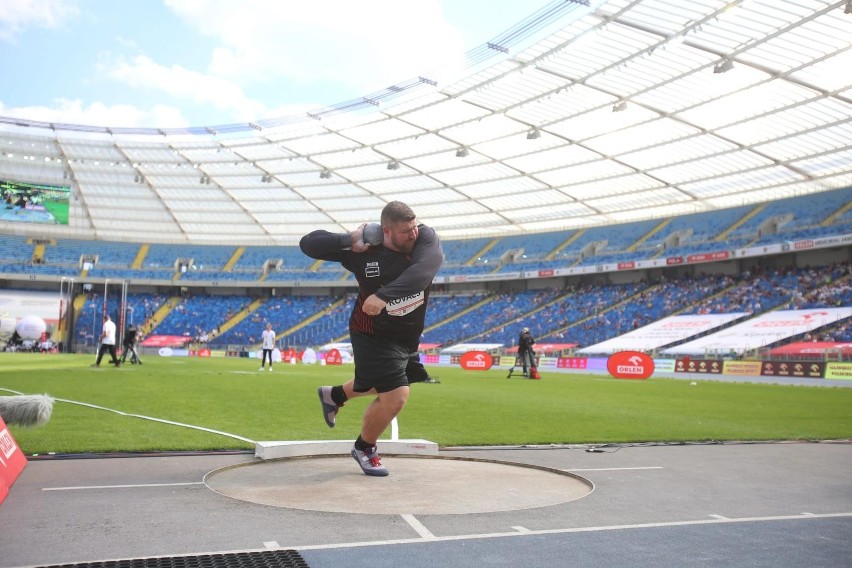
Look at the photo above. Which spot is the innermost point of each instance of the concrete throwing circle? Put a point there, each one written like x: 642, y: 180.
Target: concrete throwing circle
x: 424, y: 485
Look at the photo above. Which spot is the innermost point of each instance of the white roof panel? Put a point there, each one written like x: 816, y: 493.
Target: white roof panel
x: 619, y: 110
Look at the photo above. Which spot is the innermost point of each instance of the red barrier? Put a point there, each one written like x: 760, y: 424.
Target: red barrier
x: 12, y: 460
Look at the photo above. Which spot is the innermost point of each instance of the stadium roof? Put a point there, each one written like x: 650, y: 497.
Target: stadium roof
x: 585, y: 113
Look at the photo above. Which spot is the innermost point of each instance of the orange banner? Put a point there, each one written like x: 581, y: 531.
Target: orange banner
x: 741, y: 368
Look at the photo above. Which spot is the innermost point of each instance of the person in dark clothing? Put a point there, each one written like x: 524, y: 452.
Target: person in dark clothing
x: 129, y: 345
x: 526, y: 354
x: 394, y: 279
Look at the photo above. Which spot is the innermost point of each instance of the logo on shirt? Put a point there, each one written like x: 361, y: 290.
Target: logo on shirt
x: 371, y: 270
x: 406, y: 305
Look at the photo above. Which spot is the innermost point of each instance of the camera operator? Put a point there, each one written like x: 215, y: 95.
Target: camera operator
x: 525, y: 351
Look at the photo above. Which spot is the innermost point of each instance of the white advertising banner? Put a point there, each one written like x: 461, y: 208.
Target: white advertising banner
x: 762, y: 330
x: 662, y: 332
x: 21, y: 303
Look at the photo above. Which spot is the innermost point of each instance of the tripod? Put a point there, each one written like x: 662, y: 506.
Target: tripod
x: 526, y: 361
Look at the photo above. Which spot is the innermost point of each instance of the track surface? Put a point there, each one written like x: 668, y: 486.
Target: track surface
x: 710, y: 505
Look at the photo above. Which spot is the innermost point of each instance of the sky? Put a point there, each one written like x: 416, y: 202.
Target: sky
x: 180, y: 63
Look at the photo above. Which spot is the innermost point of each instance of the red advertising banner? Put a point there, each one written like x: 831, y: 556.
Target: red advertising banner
x: 812, y: 348
x: 165, y: 341
x: 12, y: 460
x: 546, y: 272
x: 476, y: 361
x: 630, y: 365
x: 626, y: 265
x: 546, y: 347
x: 571, y: 363
x: 672, y: 260
x: 708, y: 256
x: 333, y: 357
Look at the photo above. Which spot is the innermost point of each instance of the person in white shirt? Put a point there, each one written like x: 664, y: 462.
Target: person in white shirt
x: 107, y: 343
x: 268, y: 345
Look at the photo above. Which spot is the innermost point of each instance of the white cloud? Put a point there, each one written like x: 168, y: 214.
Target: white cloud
x: 141, y: 72
x: 16, y: 16
x: 68, y: 111
x: 263, y: 47
x: 364, y: 46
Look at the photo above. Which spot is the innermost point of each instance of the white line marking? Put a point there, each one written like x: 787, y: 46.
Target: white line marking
x: 157, y: 420
x: 805, y: 513
x: 573, y: 530
x: 509, y: 534
x: 720, y: 517
x: 271, y: 544
x: 120, y: 486
x: 418, y: 527
x: 523, y: 530
x: 617, y: 468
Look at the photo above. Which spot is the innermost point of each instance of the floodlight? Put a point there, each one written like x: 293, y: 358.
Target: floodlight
x: 724, y: 66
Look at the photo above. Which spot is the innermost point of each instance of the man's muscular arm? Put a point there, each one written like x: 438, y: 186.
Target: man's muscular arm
x: 426, y: 259
x: 328, y: 246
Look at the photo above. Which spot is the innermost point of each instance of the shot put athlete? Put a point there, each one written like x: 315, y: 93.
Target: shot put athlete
x: 394, y: 279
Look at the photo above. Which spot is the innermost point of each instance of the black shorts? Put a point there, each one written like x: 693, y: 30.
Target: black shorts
x: 379, y: 362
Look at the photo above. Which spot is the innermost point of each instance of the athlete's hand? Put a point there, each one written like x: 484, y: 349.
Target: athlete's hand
x: 358, y: 244
x: 373, y: 305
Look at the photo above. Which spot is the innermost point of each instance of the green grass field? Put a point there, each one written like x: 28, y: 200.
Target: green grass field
x: 467, y: 408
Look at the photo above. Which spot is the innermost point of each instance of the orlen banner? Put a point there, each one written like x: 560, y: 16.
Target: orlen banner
x: 476, y: 361
x: 12, y: 460
x: 630, y: 365
x: 333, y: 357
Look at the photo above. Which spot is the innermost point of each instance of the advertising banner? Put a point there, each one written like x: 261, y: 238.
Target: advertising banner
x: 663, y: 332
x: 707, y: 366
x: 333, y: 358
x: 741, y: 368
x: 476, y: 361
x: 762, y: 330
x: 12, y: 460
x: 806, y: 369
x: 813, y: 348
x: 630, y: 365
x: 842, y: 371
x: 571, y: 363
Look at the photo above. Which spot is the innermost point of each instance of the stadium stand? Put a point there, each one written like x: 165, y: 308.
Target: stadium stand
x: 724, y: 229
x: 283, y: 313
x: 196, y: 315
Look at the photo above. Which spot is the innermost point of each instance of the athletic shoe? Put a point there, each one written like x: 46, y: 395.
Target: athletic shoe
x: 270, y: 369
x: 370, y: 462
x: 329, y: 409
x: 261, y: 368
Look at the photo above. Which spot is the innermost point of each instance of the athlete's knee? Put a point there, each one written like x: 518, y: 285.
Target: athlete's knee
x: 394, y: 401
